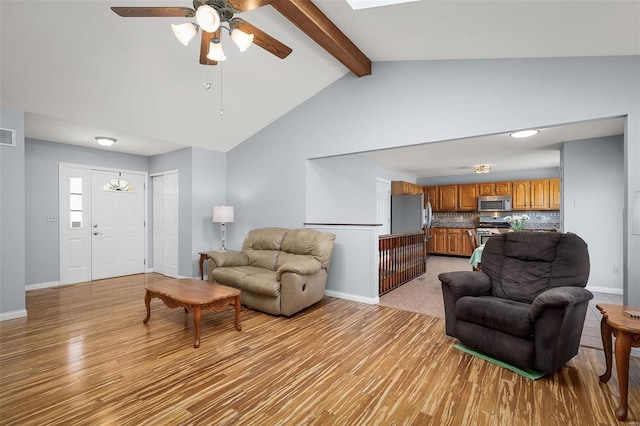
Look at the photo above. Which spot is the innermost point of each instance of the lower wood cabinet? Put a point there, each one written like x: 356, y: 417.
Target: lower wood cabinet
x: 450, y: 241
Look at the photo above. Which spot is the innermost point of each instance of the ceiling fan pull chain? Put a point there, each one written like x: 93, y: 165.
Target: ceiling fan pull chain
x: 221, y: 107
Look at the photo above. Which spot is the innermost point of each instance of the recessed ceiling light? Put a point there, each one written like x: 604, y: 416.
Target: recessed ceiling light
x: 105, y: 141
x: 524, y: 133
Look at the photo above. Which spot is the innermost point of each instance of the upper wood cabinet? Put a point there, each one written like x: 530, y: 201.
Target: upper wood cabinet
x: 520, y: 192
x: 539, y: 194
x: 554, y: 190
x: 448, y: 197
x: 468, y: 196
x: 494, y: 188
x: 399, y: 187
x: 431, y: 194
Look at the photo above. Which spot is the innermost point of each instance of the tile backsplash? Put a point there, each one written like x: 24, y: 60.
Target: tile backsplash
x: 538, y: 220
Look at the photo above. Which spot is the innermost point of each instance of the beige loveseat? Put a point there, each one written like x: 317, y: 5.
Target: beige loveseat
x: 279, y: 271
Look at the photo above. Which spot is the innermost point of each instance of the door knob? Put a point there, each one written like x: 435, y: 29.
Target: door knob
x: 95, y: 225
x: 97, y: 233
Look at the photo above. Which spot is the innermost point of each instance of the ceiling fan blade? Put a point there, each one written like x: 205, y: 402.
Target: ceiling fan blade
x: 263, y: 39
x: 244, y: 5
x: 154, y: 12
x: 204, y: 47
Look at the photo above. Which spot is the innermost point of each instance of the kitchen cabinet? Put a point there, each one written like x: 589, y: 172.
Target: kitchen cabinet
x: 399, y: 187
x: 494, y: 188
x: 520, y: 194
x: 554, y: 191
x: 468, y: 196
x: 539, y: 194
x: 448, y: 197
x: 452, y: 241
x: 431, y: 193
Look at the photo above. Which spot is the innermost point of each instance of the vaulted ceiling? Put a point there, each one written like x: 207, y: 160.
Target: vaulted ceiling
x: 78, y: 70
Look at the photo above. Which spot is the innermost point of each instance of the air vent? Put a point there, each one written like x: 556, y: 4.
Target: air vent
x: 7, y: 137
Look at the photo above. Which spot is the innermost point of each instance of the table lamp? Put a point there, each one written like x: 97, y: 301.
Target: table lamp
x: 223, y: 215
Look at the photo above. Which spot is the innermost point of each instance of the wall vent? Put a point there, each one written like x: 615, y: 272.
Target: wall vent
x: 7, y: 137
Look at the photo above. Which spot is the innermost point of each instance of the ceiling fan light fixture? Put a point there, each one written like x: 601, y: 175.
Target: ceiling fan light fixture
x: 524, y: 133
x: 184, y: 32
x: 207, y: 18
x: 105, y: 141
x: 215, y: 51
x: 241, y: 39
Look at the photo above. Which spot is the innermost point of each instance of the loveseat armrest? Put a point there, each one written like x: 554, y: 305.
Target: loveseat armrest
x: 466, y: 283
x: 301, y: 267
x: 558, y: 297
x: 228, y: 258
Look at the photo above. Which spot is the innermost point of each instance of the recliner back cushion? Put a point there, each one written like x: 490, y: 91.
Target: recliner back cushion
x: 264, y: 239
x: 522, y: 265
x: 263, y: 258
x: 306, y: 241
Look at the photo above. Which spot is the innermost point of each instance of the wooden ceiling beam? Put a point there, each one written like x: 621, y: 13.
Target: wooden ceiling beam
x: 306, y: 16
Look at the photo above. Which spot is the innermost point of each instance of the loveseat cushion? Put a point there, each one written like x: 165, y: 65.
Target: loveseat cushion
x: 263, y: 283
x: 263, y: 258
x: 506, y: 315
x: 233, y: 275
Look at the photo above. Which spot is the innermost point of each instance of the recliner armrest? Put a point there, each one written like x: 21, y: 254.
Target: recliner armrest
x: 466, y: 283
x: 301, y: 267
x: 558, y: 297
x: 229, y: 258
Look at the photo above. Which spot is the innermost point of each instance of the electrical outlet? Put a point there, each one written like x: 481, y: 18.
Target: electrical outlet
x: 51, y: 218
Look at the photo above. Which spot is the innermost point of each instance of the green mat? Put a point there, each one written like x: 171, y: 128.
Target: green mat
x: 524, y: 372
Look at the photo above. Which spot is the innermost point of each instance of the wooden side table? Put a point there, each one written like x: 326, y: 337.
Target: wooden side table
x: 627, y: 332
x: 203, y: 256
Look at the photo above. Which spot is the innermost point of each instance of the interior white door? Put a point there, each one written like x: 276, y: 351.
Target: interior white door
x: 117, y: 224
x: 165, y: 224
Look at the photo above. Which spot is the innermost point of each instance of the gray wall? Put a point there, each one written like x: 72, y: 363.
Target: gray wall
x: 202, y: 184
x: 12, y: 218
x: 41, y: 171
x: 406, y: 103
x: 593, y: 204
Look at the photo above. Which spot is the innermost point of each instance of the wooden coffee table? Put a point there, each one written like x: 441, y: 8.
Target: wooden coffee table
x: 627, y: 331
x: 195, y: 296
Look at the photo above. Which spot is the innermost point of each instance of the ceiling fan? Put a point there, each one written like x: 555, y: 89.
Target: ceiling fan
x: 211, y: 16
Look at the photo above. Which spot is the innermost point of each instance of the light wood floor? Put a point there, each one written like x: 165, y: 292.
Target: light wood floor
x: 83, y: 356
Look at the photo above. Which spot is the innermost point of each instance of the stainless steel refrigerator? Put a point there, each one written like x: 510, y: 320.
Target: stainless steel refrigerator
x: 408, y: 213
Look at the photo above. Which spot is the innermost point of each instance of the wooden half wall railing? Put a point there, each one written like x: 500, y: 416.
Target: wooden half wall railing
x: 402, y: 258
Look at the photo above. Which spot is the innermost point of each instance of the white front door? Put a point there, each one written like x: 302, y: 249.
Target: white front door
x: 165, y: 224
x: 117, y: 224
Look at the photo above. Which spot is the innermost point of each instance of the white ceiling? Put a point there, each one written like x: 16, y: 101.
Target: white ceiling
x: 78, y: 70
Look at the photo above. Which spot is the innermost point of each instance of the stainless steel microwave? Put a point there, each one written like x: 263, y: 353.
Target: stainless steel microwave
x: 494, y: 203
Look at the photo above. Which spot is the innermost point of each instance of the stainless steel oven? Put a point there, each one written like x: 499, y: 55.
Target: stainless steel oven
x: 489, y: 226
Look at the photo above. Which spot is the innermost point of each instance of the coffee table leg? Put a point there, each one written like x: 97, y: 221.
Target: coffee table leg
x: 147, y: 302
x: 197, y: 315
x: 237, y: 305
x: 623, y: 351
x: 605, y: 331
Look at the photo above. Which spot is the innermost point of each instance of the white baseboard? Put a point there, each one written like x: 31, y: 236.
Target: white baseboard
x: 605, y: 290
x: 13, y: 315
x: 42, y: 285
x: 353, y: 297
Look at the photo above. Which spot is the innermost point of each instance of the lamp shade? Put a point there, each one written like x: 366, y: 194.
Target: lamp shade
x: 215, y: 52
x: 184, y: 32
x: 208, y: 18
x: 222, y: 214
x: 241, y: 39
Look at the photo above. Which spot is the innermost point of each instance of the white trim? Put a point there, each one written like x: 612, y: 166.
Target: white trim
x: 353, y: 297
x: 13, y: 315
x: 163, y: 173
x: 38, y: 286
x: 608, y: 290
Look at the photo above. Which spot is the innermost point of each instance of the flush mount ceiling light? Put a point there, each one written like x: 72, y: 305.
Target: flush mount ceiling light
x: 482, y: 168
x: 524, y: 133
x: 105, y: 141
